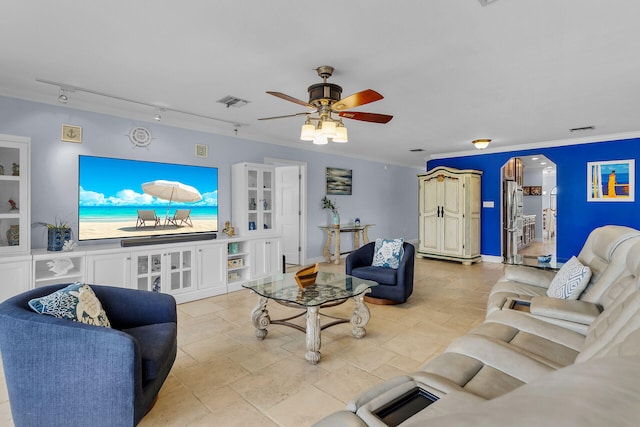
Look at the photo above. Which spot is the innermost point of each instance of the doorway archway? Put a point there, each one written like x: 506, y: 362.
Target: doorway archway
x: 529, y: 208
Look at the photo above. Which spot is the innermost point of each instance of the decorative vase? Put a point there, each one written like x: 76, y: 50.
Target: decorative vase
x: 233, y: 248
x: 335, y: 220
x: 56, y: 238
x: 252, y: 205
x: 156, y: 285
x: 13, y: 235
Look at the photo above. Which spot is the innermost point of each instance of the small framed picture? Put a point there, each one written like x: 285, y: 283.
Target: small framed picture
x: 71, y: 133
x: 611, y: 181
x: 339, y: 181
x: 202, y: 150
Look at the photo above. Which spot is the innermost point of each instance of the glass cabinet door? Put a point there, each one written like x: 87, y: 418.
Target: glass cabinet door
x: 181, y: 269
x: 267, y: 200
x: 253, y: 210
x: 14, y: 197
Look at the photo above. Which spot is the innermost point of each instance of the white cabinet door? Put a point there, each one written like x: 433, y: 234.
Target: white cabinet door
x: 113, y: 269
x: 179, y: 269
x: 147, y: 270
x: 212, y: 260
x: 253, y: 201
x: 15, y: 222
x: 429, y: 214
x: 452, y: 215
x: 15, y: 276
x: 169, y: 270
x: 266, y: 257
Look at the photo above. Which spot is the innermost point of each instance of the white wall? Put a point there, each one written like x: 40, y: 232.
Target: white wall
x: 385, y: 196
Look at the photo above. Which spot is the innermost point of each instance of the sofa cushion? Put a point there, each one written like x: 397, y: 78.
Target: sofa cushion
x: 76, y: 302
x: 570, y: 281
x: 155, y: 342
x: 382, y: 275
x: 388, y: 253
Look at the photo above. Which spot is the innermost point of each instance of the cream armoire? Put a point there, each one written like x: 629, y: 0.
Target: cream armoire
x: 449, y: 214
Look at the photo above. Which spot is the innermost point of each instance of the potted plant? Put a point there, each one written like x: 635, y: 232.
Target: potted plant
x: 328, y: 204
x: 58, y: 233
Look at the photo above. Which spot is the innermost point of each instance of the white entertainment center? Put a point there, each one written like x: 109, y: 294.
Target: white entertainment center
x: 188, y: 270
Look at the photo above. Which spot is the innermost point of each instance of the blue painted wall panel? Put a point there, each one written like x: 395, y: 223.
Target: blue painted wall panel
x: 576, y: 216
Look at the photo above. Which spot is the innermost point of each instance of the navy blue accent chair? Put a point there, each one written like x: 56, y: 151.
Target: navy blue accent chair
x: 394, y: 286
x: 65, y: 373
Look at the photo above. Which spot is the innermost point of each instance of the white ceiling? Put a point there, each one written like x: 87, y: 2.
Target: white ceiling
x: 519, y: 72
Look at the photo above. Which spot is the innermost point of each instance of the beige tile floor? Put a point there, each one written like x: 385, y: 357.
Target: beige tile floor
x: 544, y: 247
x: 224, y: 376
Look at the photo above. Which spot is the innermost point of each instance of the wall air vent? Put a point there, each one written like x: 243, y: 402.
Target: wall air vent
x: 416, y: 150
x: 232, y: 101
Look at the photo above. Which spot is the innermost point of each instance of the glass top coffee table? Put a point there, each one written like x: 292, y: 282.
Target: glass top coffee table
x: 330, y: 290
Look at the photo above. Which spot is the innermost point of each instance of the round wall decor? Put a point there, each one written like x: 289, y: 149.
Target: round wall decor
x: 140, y: 137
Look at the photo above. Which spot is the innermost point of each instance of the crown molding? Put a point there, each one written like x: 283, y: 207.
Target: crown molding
x: 537, y: 145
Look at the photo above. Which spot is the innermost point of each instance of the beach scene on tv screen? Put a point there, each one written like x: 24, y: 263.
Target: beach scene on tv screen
x: 121, y: 198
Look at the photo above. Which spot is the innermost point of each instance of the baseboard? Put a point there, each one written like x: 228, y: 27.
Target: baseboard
x: 492, y: 258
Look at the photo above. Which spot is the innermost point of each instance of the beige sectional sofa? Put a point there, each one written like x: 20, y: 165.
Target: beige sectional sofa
x: 518, y: 369
x: 604, y: 252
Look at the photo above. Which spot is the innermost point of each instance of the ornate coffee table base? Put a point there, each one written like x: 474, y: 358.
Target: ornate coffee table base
x: 359, y: 319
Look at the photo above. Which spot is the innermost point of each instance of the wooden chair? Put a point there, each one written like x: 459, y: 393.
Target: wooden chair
x: 147, y: 215
x: 181, y: 217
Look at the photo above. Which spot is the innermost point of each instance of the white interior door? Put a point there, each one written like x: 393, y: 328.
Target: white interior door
x: 288, y: 212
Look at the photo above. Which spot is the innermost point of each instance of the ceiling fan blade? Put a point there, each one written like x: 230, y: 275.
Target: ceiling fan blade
x: 282, y: 117
x: 291, y: 99
x: 360, y: 98
x: 366, y: 117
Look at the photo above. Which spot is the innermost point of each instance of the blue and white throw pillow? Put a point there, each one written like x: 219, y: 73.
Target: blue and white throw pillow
x: 76, y: 302
x: 570, y: 281
x: 388, y: 253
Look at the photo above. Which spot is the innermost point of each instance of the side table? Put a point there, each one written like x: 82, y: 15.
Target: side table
x: 333, y: 233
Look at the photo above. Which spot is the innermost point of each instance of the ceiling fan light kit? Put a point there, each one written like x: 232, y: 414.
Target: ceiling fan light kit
x: 308, y: 132
x: 341, y: 134
x: 320, y: 140
x: 325, y: 99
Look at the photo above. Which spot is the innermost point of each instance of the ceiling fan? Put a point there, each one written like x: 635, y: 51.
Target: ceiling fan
x: 325, y: 99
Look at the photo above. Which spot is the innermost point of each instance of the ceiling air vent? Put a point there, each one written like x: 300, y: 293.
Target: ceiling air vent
x: 232, y: 101
x: 582, y: 129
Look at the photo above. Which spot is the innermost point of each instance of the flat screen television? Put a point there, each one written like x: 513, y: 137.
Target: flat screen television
x: 119, y: 199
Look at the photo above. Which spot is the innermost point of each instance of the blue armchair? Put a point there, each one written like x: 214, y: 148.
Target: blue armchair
x: 394, y: 286
x: 65, y: 373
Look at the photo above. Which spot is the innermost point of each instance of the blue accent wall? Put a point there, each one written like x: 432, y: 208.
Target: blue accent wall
x: 576, y: 217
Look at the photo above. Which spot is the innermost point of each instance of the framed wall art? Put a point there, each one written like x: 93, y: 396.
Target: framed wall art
x: 71, y: 133
x: 339, y: 181
x: 535, y: 190
x: 611, y: 181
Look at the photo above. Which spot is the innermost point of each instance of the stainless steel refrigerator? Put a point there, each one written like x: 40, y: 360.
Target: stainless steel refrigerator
x: 512, y: 220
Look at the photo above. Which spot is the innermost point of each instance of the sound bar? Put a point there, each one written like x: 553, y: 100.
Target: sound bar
x: 160, y: 240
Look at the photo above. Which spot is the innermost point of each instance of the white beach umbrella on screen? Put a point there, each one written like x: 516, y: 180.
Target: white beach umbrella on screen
x: 173, y: 191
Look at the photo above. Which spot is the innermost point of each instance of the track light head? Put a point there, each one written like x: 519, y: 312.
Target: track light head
x: 62, y: 96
